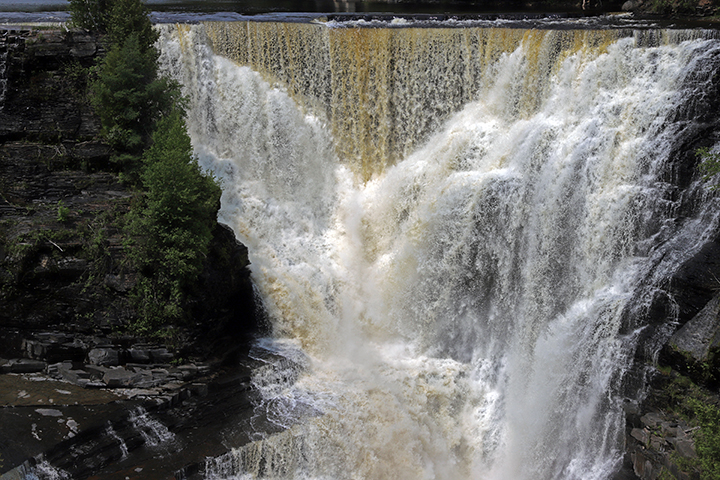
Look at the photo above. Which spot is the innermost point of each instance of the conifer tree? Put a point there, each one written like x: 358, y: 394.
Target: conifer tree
x: 129, y: 17
x: 172, y: 228
x: 93, y: 15
x: 128, y: 95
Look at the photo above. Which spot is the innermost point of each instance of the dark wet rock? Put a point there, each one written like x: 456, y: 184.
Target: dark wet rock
x: 694, y: 349
x: 700, y: 335
x: 161, y: 355
x: 120, y: 283
x: 696, y: 282
x: 659, y: 447
x: 104, y: 356
x: 139, y: 354
x: 651, y: 420
x: 630, y: 5
x: 24, y: 365
x: 120, y: 377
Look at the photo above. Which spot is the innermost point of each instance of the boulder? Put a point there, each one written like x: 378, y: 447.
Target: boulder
x: 696, y: 281
x: 66, y: 371
x: 120, y: 377
x: 700, y: 334
x: 25, y: 365
x: 108, y: 357
x: 139, y: 354
x: 161, y: 355
x: 630, y: 5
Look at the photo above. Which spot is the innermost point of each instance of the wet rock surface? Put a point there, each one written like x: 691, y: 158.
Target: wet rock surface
x: 59, y: 427
x: 659, y: 444
x: 103, y: 433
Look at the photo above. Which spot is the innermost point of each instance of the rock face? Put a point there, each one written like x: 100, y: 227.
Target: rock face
x: 62, y: 259
x: 699, y: 338
x: 66, y: 284
x: 658, y: 445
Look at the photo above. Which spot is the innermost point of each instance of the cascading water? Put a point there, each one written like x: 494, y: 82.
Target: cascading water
x: 447, y: 228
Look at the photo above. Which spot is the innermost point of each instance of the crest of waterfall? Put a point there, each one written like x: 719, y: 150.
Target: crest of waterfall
x: 449, y: 227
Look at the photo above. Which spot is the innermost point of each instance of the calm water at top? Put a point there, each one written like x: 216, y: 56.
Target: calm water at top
x: 172, y: 11
x: 265, y: 6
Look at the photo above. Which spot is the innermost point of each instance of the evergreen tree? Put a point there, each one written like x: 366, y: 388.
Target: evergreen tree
x: 129, y: 17
x: 172, y: 228
x: 93, y: 15
x: 128, y: 95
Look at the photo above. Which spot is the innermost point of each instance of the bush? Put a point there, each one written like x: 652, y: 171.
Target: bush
x: 63, y: 212
x: 709, y: 163
x: 707, y: 440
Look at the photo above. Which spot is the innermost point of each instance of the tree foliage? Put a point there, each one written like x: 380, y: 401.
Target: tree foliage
x: 172, y: 228
x: 128, y: 95
x: 91, y: 15
x: 130, y: 17
x: 707, y: 440
x: 709, y: 163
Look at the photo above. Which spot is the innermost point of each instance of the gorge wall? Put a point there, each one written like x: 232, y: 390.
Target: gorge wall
x: 66, y: 286
x: 63, y: 263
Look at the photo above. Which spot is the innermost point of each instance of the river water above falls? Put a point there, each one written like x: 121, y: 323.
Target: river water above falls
x: 454, y: 233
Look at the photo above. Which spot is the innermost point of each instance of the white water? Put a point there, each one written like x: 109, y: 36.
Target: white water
x: 448, y: 282
x: 154, y: 433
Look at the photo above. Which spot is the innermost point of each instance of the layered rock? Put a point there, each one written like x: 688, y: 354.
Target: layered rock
x: 66, y: 285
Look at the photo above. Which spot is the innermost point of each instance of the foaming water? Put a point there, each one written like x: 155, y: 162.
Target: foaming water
x: 447, y: 228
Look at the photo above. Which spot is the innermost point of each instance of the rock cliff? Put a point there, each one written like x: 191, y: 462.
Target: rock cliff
x: 66, y: 283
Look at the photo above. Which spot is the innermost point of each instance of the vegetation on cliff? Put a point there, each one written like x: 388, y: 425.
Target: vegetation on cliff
x: 171, y: 223
x: 693, y: 407
x: 129, y: 97
x: 709, y: 163
x: 127, y: 93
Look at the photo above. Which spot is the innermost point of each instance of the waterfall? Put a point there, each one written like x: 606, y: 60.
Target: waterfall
x: 449, y: 229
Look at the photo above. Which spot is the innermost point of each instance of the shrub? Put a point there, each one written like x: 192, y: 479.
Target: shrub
x: 63, y: 212
x: 709, y: 163
x: 707, y: 440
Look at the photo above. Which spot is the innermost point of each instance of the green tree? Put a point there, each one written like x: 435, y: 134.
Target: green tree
x: 128, y: 95
x: 129, y: 17
x: 172, y: 227
x: 91, y: 15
